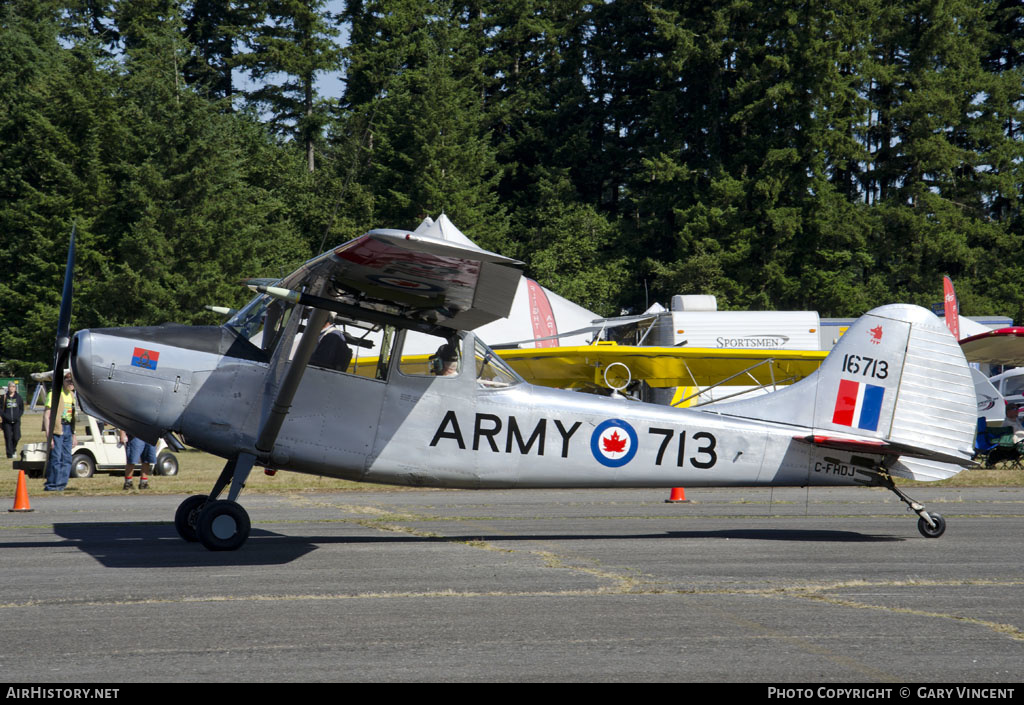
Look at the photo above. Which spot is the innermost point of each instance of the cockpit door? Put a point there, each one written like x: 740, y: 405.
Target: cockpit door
x: 429, y: 375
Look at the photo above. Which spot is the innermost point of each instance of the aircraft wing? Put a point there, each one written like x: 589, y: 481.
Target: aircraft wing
x: 1004, y: 346
x: 450, y: 284
x: 584, y: 365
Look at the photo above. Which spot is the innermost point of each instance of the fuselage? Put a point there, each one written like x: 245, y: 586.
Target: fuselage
x: 213, y: 388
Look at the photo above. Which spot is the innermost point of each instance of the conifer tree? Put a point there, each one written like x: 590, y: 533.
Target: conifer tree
x: 216, y: 30
x: 415, y: 83
x: 54, y: 110
x: 296, y: 41
x: 188, y: 225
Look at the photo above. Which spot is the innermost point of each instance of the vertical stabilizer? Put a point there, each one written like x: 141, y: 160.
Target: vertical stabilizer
x: 896, y: 376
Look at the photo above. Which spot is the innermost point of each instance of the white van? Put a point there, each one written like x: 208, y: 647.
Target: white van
x: 1011, y: 385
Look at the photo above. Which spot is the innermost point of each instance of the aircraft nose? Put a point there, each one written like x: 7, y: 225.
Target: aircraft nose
x: 81, y: 347
x: 144, y: 400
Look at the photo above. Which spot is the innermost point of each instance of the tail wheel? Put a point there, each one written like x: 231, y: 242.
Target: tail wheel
x: 929, y: 531
x: 186, y: 519
x: 223, y: 526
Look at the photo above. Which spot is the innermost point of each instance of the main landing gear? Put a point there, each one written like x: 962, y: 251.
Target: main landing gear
x: 931, y: 524
x: 220, y: 525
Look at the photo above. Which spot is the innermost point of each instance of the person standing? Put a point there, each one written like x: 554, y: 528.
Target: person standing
x: 63, y: 440
x: 1013, y: 415
x: 140, y: 453
x: 12, y: 406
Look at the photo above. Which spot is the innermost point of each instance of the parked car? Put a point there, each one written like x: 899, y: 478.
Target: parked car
x: 1011, y: 385
x: 98, y: 448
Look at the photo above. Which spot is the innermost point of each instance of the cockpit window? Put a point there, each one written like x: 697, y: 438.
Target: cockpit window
x: 491, y: 370
x: 1013, y: 385
x: 261, y: 321
x: 426, y: 355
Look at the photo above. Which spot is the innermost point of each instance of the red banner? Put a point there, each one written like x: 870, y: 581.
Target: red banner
x: 541, y: 316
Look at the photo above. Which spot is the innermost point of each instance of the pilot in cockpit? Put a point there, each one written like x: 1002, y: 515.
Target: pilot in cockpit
x: 445, y: 362
x: 332, y: 351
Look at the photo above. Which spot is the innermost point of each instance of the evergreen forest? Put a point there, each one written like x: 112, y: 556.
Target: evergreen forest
x: 830, y: 155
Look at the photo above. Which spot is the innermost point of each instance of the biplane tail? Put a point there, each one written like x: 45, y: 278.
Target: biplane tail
x: 896, y: 384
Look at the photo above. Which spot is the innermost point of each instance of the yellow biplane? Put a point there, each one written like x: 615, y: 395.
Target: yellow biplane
x: 614, y: 366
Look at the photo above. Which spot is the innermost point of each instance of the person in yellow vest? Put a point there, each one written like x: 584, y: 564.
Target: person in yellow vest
x: 59, y: 468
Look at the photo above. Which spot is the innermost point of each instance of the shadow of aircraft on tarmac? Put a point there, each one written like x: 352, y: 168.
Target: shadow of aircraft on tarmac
x: 157, y: 545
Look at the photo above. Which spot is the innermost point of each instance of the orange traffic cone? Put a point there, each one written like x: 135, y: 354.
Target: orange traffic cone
x: 21, y: 495
x: 678, y: 495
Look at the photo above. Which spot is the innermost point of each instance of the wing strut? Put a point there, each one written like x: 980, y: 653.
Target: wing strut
x: 772, y: 383
x: 283, y: 401
x: 223, y: 525
x: 239, y: 467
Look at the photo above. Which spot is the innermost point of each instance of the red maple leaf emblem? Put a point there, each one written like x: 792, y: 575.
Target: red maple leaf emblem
x: 614, y: 443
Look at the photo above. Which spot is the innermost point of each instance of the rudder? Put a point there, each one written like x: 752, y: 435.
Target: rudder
x: 929, y: 405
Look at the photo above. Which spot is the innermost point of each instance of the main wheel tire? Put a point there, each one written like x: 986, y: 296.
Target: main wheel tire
x: 166, y: 464
x: 82, y: 465
x: 223, y: 526
x: 186, y: 519
x: 932, y: 532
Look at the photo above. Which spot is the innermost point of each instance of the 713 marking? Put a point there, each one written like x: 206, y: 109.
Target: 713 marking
x: 705, y: 457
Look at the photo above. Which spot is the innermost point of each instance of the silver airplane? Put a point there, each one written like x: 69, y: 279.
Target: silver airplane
x: 894, y: 399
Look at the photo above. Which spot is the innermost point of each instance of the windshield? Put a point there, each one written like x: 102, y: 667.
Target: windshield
x: 491, y: 370
x: 261, y: 321
x: 1013, y: 385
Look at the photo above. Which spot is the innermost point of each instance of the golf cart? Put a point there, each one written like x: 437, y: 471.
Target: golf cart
x: 97, y: 448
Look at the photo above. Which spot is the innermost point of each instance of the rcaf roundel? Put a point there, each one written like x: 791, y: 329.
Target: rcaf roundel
x: 613, y: 443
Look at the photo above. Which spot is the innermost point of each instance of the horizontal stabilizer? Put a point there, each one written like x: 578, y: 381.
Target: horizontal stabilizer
x: 850, y: 444
x: 878, y: 447
x: 924, y: 470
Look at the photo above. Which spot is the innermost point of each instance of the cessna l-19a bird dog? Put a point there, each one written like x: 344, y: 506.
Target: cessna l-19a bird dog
x: 893, y: 399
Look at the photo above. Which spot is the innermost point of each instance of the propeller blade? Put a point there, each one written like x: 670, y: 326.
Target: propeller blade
x: 62, y: 345
x: 64, y: 320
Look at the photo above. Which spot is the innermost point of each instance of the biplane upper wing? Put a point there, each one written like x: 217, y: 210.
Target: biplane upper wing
x: 577, y: 366
x: 446, y: 283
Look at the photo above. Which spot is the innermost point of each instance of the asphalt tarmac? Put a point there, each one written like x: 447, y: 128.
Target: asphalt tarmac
x: 745, y: 585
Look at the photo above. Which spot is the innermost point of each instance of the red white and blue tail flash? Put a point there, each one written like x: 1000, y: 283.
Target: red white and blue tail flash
x: 858, y: 404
